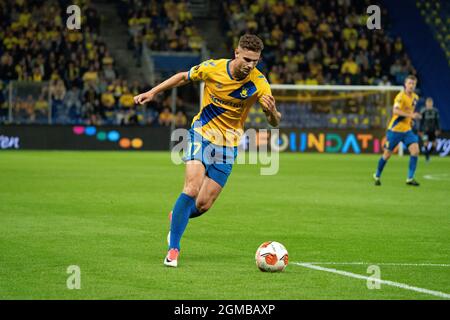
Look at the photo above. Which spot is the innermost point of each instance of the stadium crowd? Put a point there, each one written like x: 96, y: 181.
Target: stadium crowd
x: 73, y: 70
x: 318, y: 42
x: 160, y: 25
x: 306, y: 42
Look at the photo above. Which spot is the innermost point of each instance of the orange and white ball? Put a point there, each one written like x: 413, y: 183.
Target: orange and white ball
x: 271, y: 256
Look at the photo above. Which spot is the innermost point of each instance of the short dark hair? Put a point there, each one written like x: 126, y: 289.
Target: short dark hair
x: 411, y: 77
x: 251, y: 43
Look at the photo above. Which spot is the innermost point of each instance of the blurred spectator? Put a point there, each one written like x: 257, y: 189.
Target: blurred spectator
x: 167, y: 103
x: 4, y: 112
x: 7, y: 70
x: 180, y: 119
x: 108, y: 102
x: 57, y: 92
x: 165, y: 117
x: 92, y: 18
x: 90, y: 75
x: 91, y: 104
x: 24, y: 110
x: 350, y: 68
x: 126, y: 99
x: 150, y: 116
x: 162, y: 26
x: 136, y: 88
x: 384, y: 81
x: 72, y: 102
x: 41, y: 108
x: 108, y: 73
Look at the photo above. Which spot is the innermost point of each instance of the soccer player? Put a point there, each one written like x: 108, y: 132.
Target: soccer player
x: 429, y: 127
x: 231, y: 88
x: 400, y: 130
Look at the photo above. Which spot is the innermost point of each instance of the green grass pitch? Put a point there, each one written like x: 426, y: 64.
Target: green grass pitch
x: 107, y: 212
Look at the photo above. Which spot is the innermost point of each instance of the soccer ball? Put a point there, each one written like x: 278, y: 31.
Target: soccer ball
x: 271, y: 256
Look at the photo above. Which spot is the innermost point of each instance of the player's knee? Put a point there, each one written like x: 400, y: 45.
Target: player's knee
x: 191, y: 190
x: 203, y: 205
x: 414, y: 150
x: 386, y: 155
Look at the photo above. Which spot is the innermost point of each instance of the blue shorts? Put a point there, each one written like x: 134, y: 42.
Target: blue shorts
x: 393, y: 139
x: 218, y: 160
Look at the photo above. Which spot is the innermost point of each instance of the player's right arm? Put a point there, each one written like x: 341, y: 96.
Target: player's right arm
x: 177, y: 80
x: 399, y: 112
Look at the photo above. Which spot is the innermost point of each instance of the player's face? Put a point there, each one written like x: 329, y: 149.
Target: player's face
x: 410, y: 85
x: 429, y: 103
x: 246, y: 61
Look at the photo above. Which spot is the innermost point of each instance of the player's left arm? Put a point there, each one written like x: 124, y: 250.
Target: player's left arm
x: 270, y: 110
x: 267, y: 102
x: 177, y: 80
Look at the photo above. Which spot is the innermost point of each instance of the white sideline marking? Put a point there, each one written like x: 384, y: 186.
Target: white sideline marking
x: 386, y: 282
x: 438, y: 176
x: 381, y: 264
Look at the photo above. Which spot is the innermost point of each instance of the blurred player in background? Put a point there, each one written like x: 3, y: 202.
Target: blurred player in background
x: 429, y: 128
x: 400, y: 130
x: 231, y: 88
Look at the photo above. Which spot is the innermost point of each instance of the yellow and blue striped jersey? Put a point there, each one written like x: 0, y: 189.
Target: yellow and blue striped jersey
x: 226, y: 101
x: 407, y: 104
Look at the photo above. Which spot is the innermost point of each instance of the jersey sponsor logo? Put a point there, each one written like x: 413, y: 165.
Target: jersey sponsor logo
x: 210, y: 112
x: 227, y: 103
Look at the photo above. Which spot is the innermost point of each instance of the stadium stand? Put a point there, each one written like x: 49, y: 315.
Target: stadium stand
x: 305, y: 43
x: 162, y: 26
x: 77, y: 80
x: 80, y: 83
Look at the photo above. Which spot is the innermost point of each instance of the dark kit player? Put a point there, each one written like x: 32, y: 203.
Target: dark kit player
x: 429, y: 128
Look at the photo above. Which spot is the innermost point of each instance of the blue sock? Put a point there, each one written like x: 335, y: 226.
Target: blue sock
x: 412, y: 166
x: 380, y: 168
x: 182, y: 210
